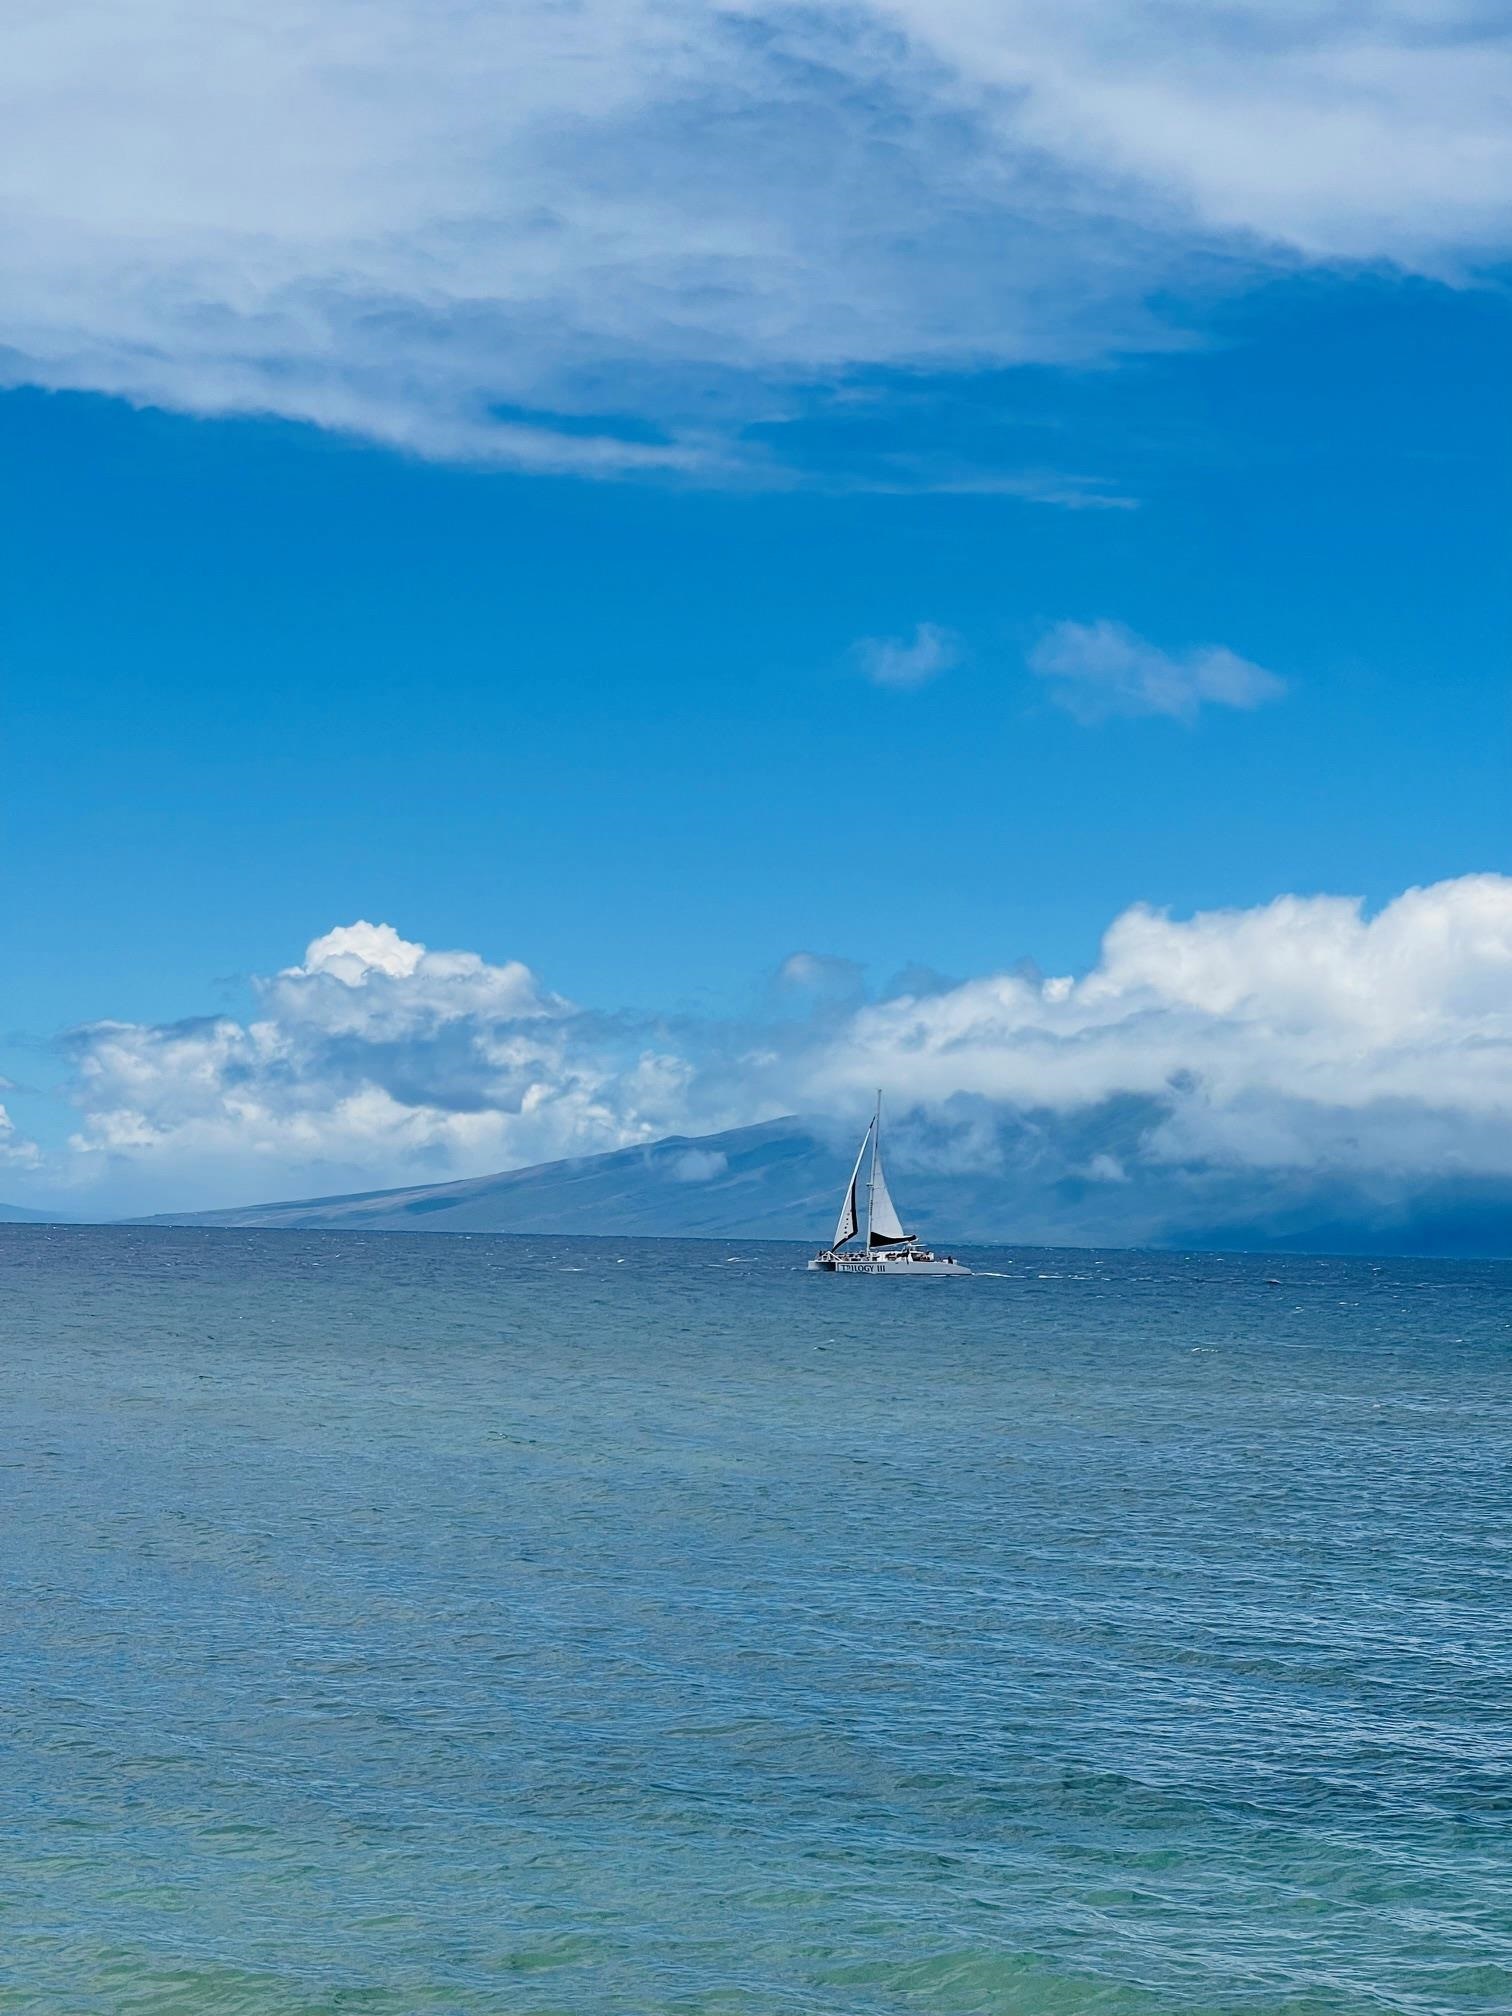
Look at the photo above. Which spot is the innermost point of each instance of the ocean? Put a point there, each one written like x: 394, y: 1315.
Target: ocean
x: 401, y: 1624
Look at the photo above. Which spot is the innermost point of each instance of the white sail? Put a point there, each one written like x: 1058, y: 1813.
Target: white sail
x: 848, y: 1222
x: 884, y: 1225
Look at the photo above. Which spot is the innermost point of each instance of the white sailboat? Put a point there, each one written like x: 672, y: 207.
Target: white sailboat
x: 888, y: 1249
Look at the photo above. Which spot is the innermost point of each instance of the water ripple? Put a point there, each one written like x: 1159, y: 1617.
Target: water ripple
x: 399, y: 1624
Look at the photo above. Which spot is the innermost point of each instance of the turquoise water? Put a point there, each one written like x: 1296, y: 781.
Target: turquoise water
x: 400, y: 1624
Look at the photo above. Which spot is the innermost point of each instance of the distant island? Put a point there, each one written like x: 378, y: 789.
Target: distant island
x: 774, y: 1181
x: 779, y: 1180
x: 1043, y: 1183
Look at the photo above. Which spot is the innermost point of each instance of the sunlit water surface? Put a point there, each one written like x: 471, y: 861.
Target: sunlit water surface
x: 403, y: 1624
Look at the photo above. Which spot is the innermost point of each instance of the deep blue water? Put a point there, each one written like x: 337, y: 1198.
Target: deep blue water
x: 398, y: 1624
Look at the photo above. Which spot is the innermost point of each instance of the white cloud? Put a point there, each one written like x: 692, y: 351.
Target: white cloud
x: 909, y: 661
x: 356, y: 954
x: 1302, y: 1035
x: 1096, y: 670
x: 438, y: 227
x: 821, y: 975
x: 374, y: 1060
x: 699, y: 1165
x: 365, y: 979
x: 1357, y: 131
x: 15, y: 1149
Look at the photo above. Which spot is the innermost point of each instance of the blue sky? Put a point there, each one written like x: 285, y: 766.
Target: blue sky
x: 292, y: 643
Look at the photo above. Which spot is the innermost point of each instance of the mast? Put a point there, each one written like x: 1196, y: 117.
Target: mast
x: 871, y: 1179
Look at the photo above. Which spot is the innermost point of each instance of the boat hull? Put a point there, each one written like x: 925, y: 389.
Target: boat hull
x: 906, y: 1269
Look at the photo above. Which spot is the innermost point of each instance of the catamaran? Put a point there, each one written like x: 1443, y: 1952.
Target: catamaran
x: 888, y: 1249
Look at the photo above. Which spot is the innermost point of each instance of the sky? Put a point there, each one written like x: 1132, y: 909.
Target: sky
x: 581, y: 573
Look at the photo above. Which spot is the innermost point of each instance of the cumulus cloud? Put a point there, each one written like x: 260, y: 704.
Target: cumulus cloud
x: 1096, y: 670
x: 1303, y: 1035
x: 374, y: 1059
x: 446, y: 229
x: 364, y: 979
x: 1300, y: 1034
x: 909, y: 661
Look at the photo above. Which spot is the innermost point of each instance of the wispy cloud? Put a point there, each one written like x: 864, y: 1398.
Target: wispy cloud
x: 455, y: 229
x: 15, y: 1149
x: 910, y: 661
x: 1095, y: 670
x: 821, y: 974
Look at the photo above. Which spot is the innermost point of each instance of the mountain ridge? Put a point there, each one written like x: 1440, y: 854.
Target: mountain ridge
x: 760, y: 1181
x: 1040, y: 1181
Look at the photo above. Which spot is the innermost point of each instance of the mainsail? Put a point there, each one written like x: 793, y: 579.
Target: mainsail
x: 884, y: 1227
x: 848, y: 1223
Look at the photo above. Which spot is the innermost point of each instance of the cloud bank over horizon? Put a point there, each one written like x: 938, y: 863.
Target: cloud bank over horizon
x: 1302, y: 1036
x: 614, y: 237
